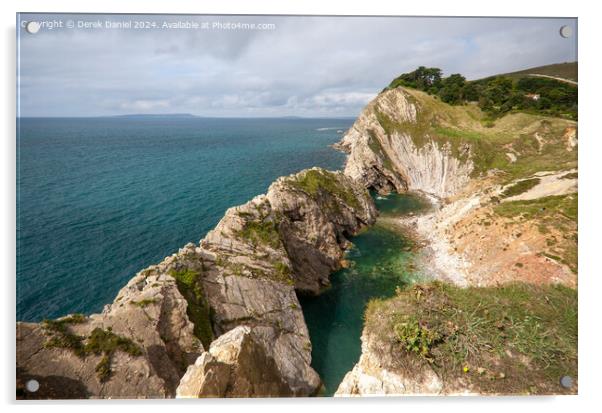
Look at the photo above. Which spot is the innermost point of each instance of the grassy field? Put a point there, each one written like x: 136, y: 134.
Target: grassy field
x: 563, y: 70
x: 512, y: 339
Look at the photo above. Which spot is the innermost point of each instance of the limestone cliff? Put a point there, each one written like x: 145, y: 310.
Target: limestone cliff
x: 138, y: 347
x: 390, y: 148
x: 482, y: 175
x: 376, y: 374
x: 439, y: 339
x: 505, y: 197
x: 238, y: 364
x: 239, y: 286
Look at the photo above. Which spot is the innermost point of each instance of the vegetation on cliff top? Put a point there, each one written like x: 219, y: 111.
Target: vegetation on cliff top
x: 263, y: 231
x: 511, y: 339
x: 520, y: 187
x: 534, y: 142
x: 496, y: 95
x: 99, y: 342
x: 316, y: 182
x: 567, y: 70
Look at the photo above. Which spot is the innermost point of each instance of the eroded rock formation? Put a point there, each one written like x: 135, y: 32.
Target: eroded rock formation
x: 238, y: 364
x: 239, y: 286
x: 138, y: 347
x: 390, y: 149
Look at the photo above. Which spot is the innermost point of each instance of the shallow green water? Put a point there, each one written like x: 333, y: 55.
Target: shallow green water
x: 380, y: 261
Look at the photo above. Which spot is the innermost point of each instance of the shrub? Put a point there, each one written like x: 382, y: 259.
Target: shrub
x: 520, y: 187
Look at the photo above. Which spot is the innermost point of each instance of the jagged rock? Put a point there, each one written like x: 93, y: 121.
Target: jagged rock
x: 290, y: 239
x: 239, y: 285
x: 375, y: 374
x: 388, y: 158
x: 148, y: 315
x: 237, y: 364
x: 315, y: 224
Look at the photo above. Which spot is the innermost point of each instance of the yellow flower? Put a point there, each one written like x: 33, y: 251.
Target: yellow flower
x: 465, y: 369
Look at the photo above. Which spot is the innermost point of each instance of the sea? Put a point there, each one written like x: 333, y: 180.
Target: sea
x: 99, y: 199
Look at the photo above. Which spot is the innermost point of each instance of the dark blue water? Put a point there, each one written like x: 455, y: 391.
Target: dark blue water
x: 99, y: 199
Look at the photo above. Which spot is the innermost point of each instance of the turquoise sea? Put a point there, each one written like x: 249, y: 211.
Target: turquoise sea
x: 381, y: 260
x: 99, y: 199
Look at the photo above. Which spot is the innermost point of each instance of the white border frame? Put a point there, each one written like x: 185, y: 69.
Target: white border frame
x: 590, y: 199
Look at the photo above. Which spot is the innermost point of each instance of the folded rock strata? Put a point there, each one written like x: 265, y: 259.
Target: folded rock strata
x: 384, y: 155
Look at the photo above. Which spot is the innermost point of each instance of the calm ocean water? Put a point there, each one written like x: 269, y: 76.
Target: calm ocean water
x: 99, y: 199
x: 380, y: 262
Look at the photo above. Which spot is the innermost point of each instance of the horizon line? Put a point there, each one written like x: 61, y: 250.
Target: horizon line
x: 183, y: 115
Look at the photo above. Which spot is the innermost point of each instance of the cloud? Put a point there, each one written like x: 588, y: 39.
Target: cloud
x: 308, y: 66
x: 145, y: 105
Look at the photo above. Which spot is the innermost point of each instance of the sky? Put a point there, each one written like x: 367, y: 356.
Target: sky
x: 288, y: 66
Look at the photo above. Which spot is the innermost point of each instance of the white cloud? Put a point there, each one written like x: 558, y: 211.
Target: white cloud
x: 145, y: 105
x: 307, y: 66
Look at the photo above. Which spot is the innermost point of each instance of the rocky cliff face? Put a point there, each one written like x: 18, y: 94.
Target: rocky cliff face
x: 238, y: 285
x: 238, y: 364
x: 390, y: 149
x: 505, y: 198
x: 138, y: 347
x: 376, y: 374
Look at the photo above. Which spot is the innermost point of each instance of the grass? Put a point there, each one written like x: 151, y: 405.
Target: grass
x: 61, y: 336
x: 198, y: 309
x: 512, y: 339
x: 550, y: 213
x: 99, y: 341
x: 143, y: 303
x: 103, y: 368
x: 563, y: 70
x: 106, y: 343
x: 520, y: 187
x: 557, y: 206
x: 466, y: 125
x: 320, y: 182
x: 264, y: 232
x: 283, y: 271
x: 60, y: 324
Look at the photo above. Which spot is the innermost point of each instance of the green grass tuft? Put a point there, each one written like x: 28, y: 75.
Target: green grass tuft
x: 520, y: 187
x: 103, y: 369
x: 198, y: 309
x: 106, y: 342
x: 143, y: 303
x: 523, y: 333
x: 61, y: 336
x: 318, y: 182
x: 262, y: 232
x: 98, y: 342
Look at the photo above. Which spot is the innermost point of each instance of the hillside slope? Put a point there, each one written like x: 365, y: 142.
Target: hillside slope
x: 507, y: 191
x: 506, y: 197
x: 567, y: 70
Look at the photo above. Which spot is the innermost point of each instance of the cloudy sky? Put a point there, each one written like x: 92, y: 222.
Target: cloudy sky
x: 301, y: 66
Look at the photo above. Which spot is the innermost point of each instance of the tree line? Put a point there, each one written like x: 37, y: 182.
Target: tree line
x: 495, y: 95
